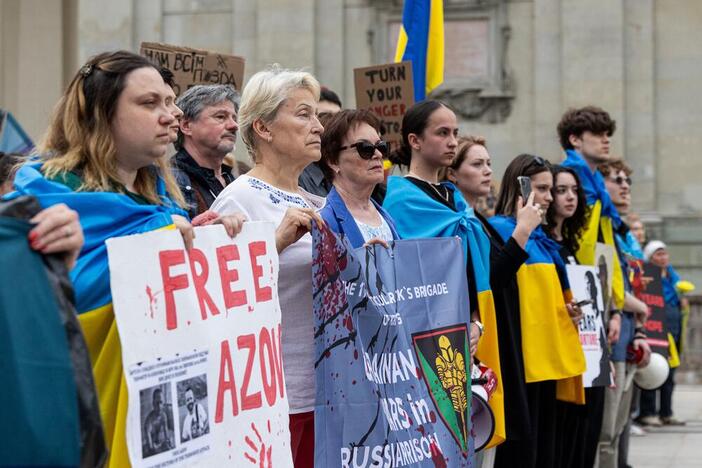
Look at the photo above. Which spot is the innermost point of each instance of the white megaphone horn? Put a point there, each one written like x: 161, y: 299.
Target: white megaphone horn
x: 654, y: 375
x: 482, y: 419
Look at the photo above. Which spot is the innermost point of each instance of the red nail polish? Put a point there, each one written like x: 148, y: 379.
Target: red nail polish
x: 32, y: 236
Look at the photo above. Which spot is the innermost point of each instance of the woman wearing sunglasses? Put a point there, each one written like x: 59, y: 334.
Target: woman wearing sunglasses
x: 423, y: 207
x: 552, y: 355
x: 352, y: 157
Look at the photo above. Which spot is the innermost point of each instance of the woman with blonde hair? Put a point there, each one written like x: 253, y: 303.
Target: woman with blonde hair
x: 278, y: 123
x: 104, y: 156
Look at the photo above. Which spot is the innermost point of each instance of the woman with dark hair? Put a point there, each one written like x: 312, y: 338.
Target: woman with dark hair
x: 578, y: 425
x: 352, y: 158
x: 104, y: 156
x: 551, y: 350
x: 422, y: 207
x: 471, y: 172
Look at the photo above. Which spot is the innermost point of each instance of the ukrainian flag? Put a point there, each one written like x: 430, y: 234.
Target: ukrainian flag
x: 102, y: 215
x: 550, y: 343
x: 603, y: 220
x: 416, y: 215
x: 421, y: 41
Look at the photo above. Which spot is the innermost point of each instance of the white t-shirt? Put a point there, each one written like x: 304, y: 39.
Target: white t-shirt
x: 259, y: 201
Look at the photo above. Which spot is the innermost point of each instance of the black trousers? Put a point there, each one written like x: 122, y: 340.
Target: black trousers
x: 539, y: 449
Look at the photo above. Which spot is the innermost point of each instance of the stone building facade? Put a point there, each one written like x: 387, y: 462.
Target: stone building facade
x: 512, y: 68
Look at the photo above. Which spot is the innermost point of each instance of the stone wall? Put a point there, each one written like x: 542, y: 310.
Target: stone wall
x: 519, y: 65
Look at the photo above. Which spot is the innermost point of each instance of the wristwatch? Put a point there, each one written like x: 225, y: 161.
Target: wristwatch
x: 480, y: 326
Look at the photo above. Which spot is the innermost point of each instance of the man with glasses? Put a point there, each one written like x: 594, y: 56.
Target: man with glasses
x: 615, y: 429
x: 207, y: 134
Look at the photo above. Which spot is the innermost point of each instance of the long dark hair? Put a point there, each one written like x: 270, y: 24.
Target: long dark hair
x: 574, y: 226
x: 414, y: 121
x: 523, y: 165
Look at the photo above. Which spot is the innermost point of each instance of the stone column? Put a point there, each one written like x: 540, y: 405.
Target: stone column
x: 547, y: 66
x: 592, y: 59
x: 640, y: 143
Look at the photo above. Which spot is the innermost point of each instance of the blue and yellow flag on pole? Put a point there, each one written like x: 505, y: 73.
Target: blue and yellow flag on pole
x: 421, y: 41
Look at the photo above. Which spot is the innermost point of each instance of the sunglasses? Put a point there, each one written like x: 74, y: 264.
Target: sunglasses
x: 366, y: 149
x: 619, y: 180
x: 538, y: 161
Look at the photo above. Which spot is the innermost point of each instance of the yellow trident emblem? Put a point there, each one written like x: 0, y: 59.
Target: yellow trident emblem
x: 451, y: 368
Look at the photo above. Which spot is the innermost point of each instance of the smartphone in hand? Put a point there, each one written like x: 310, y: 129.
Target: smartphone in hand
x: 525, y: 187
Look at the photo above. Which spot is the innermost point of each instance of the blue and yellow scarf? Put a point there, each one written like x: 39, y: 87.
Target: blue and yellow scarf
x: 550, y: 343
x: 417, y: 215
x: 102, y: 215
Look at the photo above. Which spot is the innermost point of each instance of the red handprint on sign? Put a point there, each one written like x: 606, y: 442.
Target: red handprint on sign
x: 262, y: 453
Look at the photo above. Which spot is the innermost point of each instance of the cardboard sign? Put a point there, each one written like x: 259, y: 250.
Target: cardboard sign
x: 388, y: 91
x: 195, y: 66
x: 201, y: 347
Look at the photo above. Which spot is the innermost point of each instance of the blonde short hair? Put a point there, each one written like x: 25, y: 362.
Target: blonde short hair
x: 263, y: 95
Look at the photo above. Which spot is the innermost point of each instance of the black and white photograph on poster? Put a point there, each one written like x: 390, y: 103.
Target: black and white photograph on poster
x: 604, y: 262
x: 192, y: 408
x: 157, y: 433
x: 585, y: 285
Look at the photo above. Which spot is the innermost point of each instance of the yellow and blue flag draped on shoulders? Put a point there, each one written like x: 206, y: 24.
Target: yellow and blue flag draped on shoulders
x: 102, y: 215
x: 550, y: 343
x: 416, y: 215
x: 421, y: 41
x: 602, y: 218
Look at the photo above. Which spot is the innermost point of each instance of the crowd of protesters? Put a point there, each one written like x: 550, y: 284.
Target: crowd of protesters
x: 105, y: 169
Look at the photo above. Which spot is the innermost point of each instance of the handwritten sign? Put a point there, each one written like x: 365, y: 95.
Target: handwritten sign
x: 195, y: 66
x: 201, y: 347
x: 388, y: 91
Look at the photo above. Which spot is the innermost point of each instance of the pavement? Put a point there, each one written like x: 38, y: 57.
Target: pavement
x: 673, y: 447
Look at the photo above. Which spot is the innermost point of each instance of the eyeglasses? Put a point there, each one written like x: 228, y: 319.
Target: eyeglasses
x: 366, y: 149
x: 619, y: 180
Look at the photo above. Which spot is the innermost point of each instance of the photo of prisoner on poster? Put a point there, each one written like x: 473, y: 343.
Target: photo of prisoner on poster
x: 585, y: 284
x: 192, y: 408
x: 156, y: 417
x: 604, y: 259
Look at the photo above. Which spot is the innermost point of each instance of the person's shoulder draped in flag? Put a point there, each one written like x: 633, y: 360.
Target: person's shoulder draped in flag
x: 105, y: 157
x: 584, y: 135
x: 422, y: 207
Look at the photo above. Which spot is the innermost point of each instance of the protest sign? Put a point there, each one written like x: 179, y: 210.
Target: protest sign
x: 195, y: 66
x: 392, y: 354
x: 585, y: 285
x: 652, y: 294
x: 200, y: 333
x: 604, y: 262
x: 388, y: 91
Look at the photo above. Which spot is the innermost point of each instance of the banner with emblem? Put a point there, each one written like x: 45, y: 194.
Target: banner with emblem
x: 392, y: 354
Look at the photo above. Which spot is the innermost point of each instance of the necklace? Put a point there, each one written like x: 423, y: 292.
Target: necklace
x: 443, y: 196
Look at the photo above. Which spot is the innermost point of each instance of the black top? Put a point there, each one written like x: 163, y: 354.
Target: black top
x: 438, y: 192
x: 199, y: 184
x: 505, y: 260
x: 313, y: 181
x: 444, y: 195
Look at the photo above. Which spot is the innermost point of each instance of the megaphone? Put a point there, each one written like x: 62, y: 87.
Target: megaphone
x: 654, y: 375
x: 482, y: 419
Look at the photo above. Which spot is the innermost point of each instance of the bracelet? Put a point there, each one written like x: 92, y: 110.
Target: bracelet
x: 614, y: 313
x: 481, y: 328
